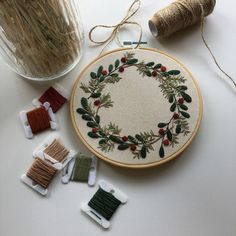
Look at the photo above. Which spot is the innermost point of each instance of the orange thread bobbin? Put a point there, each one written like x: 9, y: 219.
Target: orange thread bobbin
x: 37, y: 120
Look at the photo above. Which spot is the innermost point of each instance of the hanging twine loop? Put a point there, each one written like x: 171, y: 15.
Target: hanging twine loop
x: 133, y: 9
x: 181, y: 14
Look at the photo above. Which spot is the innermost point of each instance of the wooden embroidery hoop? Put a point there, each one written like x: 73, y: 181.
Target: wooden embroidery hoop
x: 121, y: 164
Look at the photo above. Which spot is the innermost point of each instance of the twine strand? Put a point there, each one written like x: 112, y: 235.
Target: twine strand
x: 213, y: 57
x: 133, y: 9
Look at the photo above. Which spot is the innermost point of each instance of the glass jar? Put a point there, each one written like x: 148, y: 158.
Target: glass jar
x: 40, y: 39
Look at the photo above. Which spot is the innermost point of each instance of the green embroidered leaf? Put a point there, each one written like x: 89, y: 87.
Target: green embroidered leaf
x: 171, y: 98
x: 185, y: 114
x: 132, y: 61
x: 93, y: 135
x: 114, y: 74
x: 173, y: 107
x: 186, y: 97
x: 132, y: 139
x: 92, y: 124
x: 148, y: 73
x: 117, y: 63
x: 150, y: 64
x: 81, y: 111
x: 99, y: 72
x: 183, y: 107
x: 169, y: 135
x: 110, y: 68
x: 115, y: 139
x: 164, y: 74
x: 95, y: 95
x: 139, y: 137
x: 84, y: 102
x: 102, y: 79
x: 143, y: 152
x: 162, y: 125
x: 157, y: 66
x: 102, y: 141
x: 87, y: 117
x: 161, y: 152
x: 102, y: 133
x: 93, y: 75
x: 123, y: 146
x: 182, y: 87
x: 178, y: 129
x: 173, y: 72
x: 97, y: 119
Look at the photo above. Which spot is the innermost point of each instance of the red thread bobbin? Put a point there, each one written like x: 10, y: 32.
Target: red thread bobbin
x: 55, y: 99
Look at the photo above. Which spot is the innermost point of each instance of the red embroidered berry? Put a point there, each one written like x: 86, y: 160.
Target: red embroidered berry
x: 121, y: 69
x: 176, y: 116
x: 181, y: 100
x: 161, y: 131
x: 163, y: 68
x: 94, y: 130
x: 154, y: 73
x: 166, y: 142
x: 123, y: 59
x: 125, y: 138
x: 133, y: 147
x: 97, y: 102
x: 104, y: 72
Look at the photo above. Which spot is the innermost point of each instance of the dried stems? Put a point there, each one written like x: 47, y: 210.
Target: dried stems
x: 43, y: 37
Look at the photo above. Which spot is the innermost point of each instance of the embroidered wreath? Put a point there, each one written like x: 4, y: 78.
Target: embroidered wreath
x: 172, y: 87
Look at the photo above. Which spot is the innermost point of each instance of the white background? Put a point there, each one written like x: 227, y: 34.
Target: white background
x: 194, y: 195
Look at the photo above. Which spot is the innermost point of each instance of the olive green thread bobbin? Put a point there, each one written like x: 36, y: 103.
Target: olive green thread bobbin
x: 81, y: 169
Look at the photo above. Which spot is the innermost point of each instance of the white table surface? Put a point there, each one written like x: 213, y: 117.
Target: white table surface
x: 193, y: 195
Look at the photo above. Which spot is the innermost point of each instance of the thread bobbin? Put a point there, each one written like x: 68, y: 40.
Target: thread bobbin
x: 179, y: 15
x: 39, y: 152
x: 33, y: 182
x: 56, y: 95
x: 91, y: 172
x: 109, y: 189
x: 49, y: 120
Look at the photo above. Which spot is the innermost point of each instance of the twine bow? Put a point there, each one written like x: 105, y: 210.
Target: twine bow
x: 134, y: 7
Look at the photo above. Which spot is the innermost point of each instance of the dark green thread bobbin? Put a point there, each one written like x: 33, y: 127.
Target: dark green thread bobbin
x: 104, y: 203
x: 81, y: 168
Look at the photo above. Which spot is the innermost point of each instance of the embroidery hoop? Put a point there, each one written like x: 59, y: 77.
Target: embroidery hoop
x: 105, y: 156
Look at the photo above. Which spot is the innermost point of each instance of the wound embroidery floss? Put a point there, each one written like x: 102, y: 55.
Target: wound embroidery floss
x: 41, y: 173
x: 181, y: 14
x: 54, y: 152
x: 56, y: 95
x: 57, y: 151
x: 104, y: 203
x: 39, y: 176
x: 81, y: 169
x: 38, y: 120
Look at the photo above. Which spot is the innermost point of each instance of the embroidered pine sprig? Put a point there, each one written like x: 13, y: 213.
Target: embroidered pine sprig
x: 171, y: 84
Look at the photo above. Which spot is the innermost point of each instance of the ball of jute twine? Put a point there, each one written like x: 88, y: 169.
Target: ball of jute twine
x: 181, y: 14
